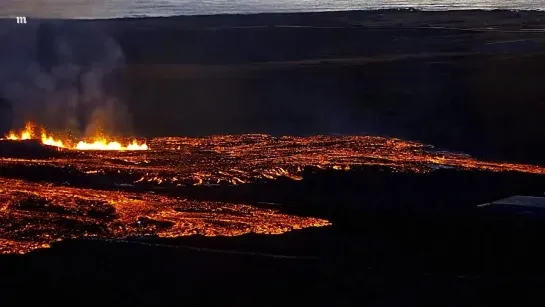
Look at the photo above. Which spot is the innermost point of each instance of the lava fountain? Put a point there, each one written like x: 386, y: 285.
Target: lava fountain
x: 95, y: 143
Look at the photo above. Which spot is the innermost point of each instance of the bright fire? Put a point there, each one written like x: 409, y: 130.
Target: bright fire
x: 97, y: 143
x: 26, y: 134
x: 102, y: 144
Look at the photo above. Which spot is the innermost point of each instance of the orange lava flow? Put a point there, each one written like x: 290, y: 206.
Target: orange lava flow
x: 237, y: 159
x: 240, y: 159
x: 35, y: 215
x: 96, y: 143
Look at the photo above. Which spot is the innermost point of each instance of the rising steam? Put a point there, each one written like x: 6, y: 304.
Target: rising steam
x: 66, y: 77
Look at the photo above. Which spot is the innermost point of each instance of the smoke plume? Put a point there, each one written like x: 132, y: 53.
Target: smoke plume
x: 66, y: 76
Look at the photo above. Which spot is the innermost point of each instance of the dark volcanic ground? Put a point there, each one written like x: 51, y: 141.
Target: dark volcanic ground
x: 462, y: 80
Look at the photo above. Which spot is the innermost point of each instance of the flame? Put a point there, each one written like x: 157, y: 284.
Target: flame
x: 135, y: 146
x: 26, y: 134
x: 103, y: 144
x: 12, y: 136
x: 98, y: 143
x: 48, y: 140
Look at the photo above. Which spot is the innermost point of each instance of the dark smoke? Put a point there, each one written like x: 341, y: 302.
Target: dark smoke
x: 5, y: 115
x: 66, y: 76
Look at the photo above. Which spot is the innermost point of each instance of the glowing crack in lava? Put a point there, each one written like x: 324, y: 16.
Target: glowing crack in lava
x: 97, y: 143
x: 34, y: 215
x: 237, y: 159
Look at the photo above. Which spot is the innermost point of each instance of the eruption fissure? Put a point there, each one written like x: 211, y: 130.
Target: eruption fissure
x: 94, y: 143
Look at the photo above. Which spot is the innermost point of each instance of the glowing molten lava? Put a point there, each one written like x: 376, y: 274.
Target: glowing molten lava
x: 103, y: 144
x: 98, y: 143
x: 48, y: 140
x: 26, y: 134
